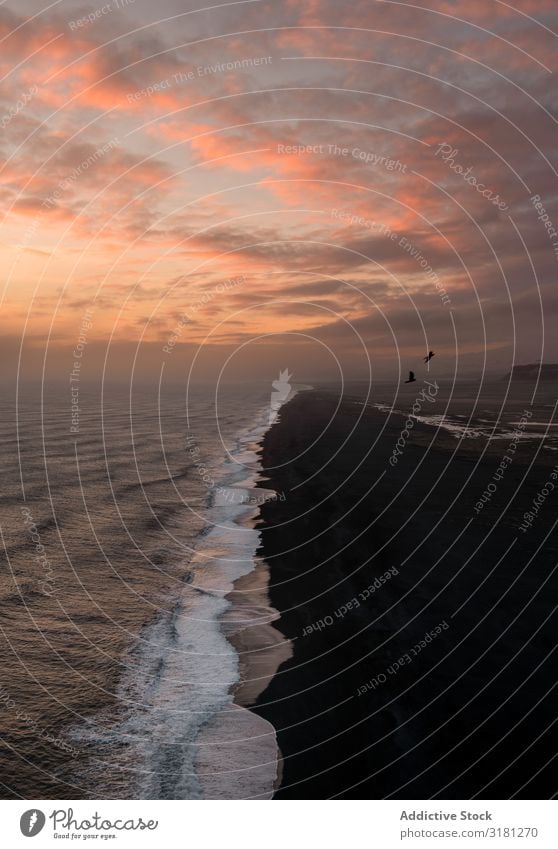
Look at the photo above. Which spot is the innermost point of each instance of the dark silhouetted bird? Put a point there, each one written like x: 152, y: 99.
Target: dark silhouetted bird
x: 429, y: 356
x: 412, y: 378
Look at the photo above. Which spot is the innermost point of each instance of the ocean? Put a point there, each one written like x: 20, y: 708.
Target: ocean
x: 121, y: 543
x: 471, y: 411
x: 124, y: 531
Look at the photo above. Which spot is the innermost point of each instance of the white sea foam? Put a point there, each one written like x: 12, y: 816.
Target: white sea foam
x: 465, y: 430
x: 182, y: 736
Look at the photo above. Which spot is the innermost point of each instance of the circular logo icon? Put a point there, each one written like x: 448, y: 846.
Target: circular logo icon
x: 32, y: 822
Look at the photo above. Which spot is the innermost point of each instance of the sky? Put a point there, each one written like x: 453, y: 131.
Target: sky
x: 232, y: 189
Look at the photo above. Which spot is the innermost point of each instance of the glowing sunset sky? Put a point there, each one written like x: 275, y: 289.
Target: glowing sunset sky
x: 325, y: 155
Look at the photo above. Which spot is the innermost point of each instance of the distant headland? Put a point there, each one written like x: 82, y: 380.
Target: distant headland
x: 548, y: 371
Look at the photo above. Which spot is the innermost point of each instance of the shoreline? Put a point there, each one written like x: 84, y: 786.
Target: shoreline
x: 259, y: 650
x: 260, y: 647
x: 230, y: 753
x: 236, y: 735
x: 248, y: 623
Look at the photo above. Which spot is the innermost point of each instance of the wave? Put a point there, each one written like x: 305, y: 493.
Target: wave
x: 454, y: 425
x: 180, y: 734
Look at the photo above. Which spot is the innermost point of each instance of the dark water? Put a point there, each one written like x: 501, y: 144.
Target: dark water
x: 472, y: 411
x: 101, y: 533
x: 119, y: 545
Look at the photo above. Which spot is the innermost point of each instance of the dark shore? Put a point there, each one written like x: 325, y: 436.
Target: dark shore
x: 464, y: 712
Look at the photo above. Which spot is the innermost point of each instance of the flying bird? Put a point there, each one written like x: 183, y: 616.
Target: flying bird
x: 412, y: 378
x: 429, y: 356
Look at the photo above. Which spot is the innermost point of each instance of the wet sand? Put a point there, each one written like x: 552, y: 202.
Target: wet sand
x: 433, y: 682
x: 261, y: 648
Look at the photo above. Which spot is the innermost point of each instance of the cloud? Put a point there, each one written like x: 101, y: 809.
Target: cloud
x: 316, y: 174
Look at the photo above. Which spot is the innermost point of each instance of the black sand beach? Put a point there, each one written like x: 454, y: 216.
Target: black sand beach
x: 422, y: 642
